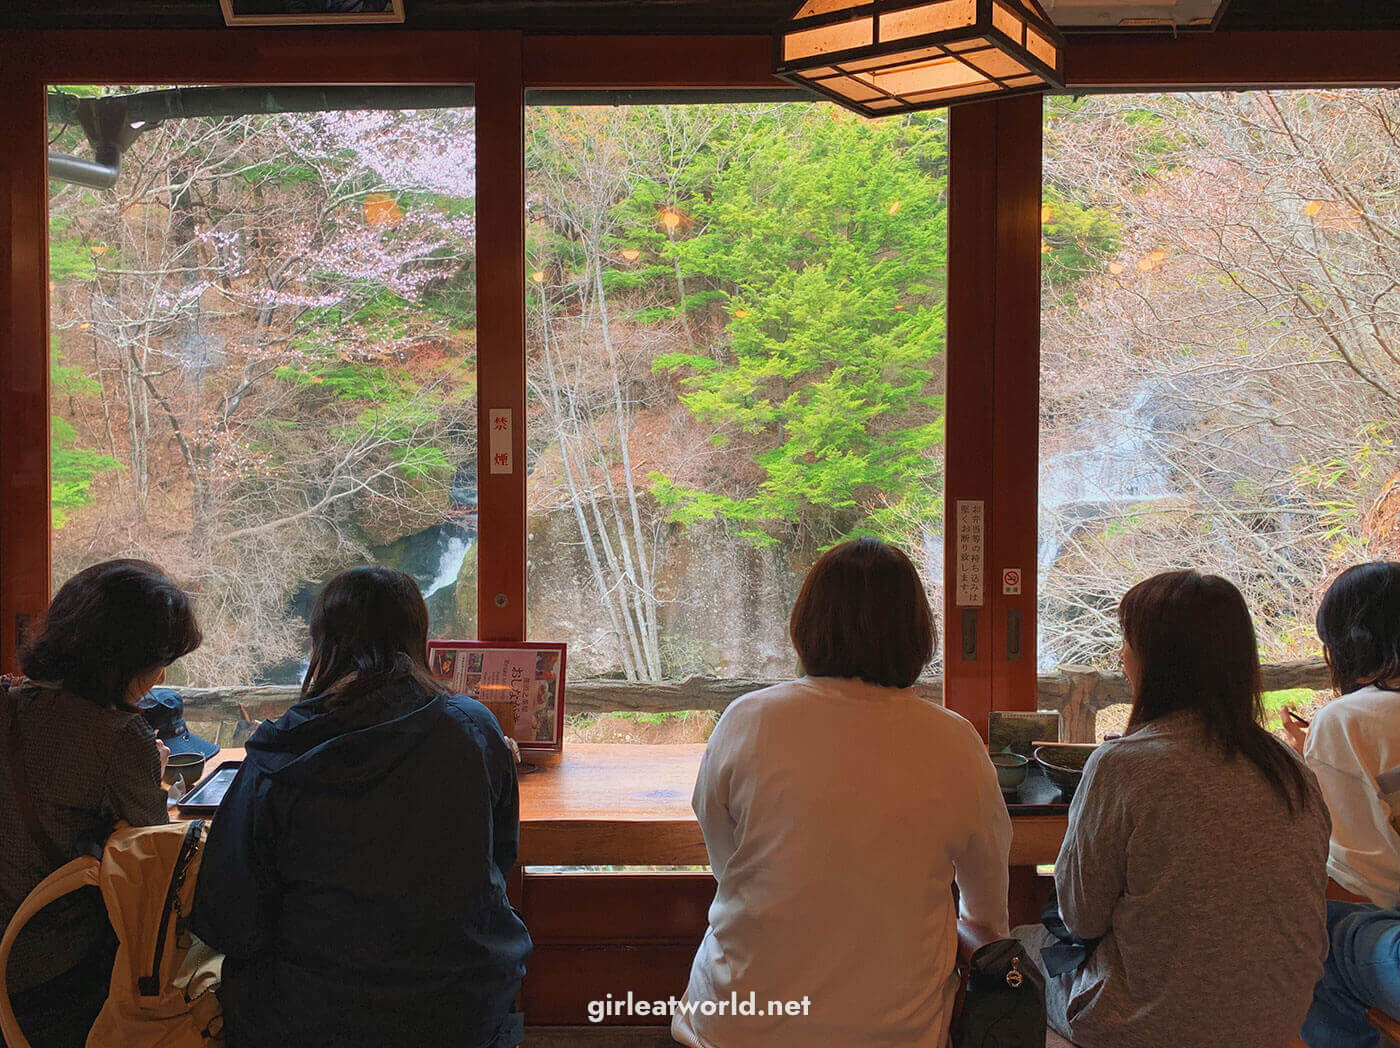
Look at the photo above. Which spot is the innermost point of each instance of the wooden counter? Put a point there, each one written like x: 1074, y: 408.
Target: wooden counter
x: 621, y: 805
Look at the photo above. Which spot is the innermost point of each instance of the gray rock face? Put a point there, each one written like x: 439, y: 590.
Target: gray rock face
x: 725, y: 602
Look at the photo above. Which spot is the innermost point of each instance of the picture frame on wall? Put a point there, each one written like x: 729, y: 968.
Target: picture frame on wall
x: 311, y: 12
x: 522, y: 683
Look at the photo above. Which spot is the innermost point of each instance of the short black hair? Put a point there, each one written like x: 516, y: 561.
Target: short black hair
x: 106, y: 626
x: 1358, y: 622
x: 863, y: 613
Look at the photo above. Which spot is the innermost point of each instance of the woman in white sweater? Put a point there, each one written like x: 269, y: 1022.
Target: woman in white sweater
x: 838, y: 811
x: 1353, y: 746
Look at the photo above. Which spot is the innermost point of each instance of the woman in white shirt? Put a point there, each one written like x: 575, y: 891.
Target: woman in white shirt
x: 838, y: 811
x: 1353, y: 746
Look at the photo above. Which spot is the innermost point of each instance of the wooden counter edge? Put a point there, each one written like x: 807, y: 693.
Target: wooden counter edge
x: 1035, y: 841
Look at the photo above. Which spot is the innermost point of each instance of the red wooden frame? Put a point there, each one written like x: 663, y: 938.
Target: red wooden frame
x: 994, y: 221
x: 25, y: 520
x: 625, y: 932
x: 500, y: 352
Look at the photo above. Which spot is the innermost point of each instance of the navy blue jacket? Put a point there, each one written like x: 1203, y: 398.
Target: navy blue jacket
x: 355, y: 876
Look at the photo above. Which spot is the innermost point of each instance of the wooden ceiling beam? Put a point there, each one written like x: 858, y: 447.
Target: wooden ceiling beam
x: 1233, y: 60
x: 249, y: 56
x: 635, y: 62
x: 1093, y: 62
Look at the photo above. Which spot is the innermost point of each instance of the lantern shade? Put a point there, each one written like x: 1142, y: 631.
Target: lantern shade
x: 888, y: 56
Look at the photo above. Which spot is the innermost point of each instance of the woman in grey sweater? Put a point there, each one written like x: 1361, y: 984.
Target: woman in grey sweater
x: 1196, y: 855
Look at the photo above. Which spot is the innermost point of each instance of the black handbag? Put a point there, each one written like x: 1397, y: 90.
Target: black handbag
x: 1005, y: 1002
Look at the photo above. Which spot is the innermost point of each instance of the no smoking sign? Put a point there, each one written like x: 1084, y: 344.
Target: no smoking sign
x: 1010, y: 581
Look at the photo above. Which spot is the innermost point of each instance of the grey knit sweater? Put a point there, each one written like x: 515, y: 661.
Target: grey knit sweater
x: 1207, y: 893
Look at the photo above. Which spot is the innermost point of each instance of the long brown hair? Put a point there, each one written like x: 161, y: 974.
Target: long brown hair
x: 1194, y: 639
x: 108, y: 625
x: 369, y: 628
x: 863, y: 613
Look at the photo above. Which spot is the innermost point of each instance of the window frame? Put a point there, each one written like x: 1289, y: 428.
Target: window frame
x: 994, y: 235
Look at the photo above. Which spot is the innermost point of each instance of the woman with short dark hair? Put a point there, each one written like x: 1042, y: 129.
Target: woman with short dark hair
x: 78, y: 757
x: 1193, y: 869
x: 838, y: 810
x: 355, y: 876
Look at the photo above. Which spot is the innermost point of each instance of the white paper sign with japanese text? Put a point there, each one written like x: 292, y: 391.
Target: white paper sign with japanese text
x: 501, y: 441
x: 968, y: 571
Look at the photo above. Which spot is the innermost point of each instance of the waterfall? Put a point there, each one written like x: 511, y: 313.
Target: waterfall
x: 454, y: 555
x: 1115, y: 461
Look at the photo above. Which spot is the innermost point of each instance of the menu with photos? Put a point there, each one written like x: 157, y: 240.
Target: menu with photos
x: 529, y: 676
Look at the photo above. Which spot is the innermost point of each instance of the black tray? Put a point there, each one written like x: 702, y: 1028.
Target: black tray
x: 190, y: 803
x: 1037, y: 795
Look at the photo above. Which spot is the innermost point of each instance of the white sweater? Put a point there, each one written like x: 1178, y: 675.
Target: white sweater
x: 837, y: 815
x: 1353, y: 748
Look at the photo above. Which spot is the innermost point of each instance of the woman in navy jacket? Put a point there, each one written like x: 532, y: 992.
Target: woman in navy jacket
x: 356, y: 872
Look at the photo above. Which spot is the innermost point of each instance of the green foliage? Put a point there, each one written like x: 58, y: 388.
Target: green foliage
x: 1294, y: 697
x: 73, y: 470
x: 697, y: 362
x: 1275, y: 701
x: 1328, y: 487
x: 422, y: 463
x: 281, y: 175
x: 70, y: 257
x: 67, y: 381
x: 826, y: 239
x: 395, y: 411
x: 1079, y: 239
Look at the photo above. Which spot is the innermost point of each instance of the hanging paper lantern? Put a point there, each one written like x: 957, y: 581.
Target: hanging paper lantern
x: 878, y: 57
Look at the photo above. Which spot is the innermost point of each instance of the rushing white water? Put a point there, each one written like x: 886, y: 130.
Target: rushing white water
x: 454, y: 555
x: 1115, y: 461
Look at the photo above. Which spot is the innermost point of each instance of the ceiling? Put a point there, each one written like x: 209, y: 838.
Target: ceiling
x: 1110, y: 14
x: 689, y: 16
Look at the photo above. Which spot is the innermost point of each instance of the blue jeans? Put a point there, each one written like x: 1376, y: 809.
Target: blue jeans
x: 1362, y: 971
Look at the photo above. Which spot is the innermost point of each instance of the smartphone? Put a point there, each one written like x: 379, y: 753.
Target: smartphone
x: 1299, y: 719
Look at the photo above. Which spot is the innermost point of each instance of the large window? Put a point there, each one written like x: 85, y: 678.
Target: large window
x: 1220, y: 361
x: 735, y: 360
x: 263, y: 353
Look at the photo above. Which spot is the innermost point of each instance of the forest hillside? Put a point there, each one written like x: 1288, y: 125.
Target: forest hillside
x: 264, y: 362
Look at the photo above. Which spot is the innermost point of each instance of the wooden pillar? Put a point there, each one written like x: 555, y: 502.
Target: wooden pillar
x: 1015, y: 531
x: 993, y: 398
x: 24, y: 373
x: 500, y: 292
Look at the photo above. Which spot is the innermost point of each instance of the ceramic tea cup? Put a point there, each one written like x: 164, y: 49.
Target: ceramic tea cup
x: 1011, y: 770
x: 187, y: 766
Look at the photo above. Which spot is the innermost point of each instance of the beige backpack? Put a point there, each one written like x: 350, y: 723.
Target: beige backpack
x: 163, y: 981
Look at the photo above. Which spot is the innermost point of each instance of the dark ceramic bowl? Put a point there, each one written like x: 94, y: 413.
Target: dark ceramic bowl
x: 1063, y: 764
x: 187, y: 766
